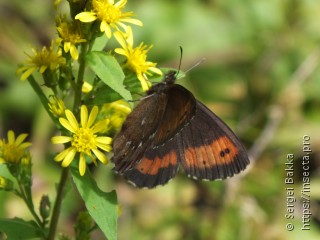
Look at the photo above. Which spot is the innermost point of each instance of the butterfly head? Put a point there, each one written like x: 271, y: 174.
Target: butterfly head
x: 170, y: 77
x: 167, y: 81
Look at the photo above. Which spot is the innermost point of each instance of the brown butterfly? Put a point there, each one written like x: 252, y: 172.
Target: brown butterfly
x: 169, y: 128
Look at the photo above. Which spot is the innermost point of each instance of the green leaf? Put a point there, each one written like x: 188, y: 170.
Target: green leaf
x: 99, y: 43
x: 103, y: 94
x: 102, y: 206
x: 17, y: 228
x: 109, y: 71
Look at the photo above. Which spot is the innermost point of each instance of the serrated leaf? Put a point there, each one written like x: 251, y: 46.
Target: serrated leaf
x: 102, y: 206
x: 109, y: 71
x: 17, y: 228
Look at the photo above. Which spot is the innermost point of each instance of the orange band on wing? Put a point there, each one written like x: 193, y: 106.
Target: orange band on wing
x: 152, y: 166
x: 221, y: 151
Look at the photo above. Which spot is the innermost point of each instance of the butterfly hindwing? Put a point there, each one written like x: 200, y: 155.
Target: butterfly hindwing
x: 210, y: 149
x: 157, y: 166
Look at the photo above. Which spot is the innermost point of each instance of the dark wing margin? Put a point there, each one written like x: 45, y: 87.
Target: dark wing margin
x: 157, y: 166
x: 210, y: 149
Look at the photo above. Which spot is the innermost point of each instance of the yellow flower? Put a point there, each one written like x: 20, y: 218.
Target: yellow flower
x: 86, y: 87
x: 110, y: 14
x: 116, y: 112
x: 70, y: 35
x: 56, y: 4
x: 136, y: 57
x: 42, y: 60
x: 84, y: 139
x: 13, y: 150
x: 56, y: 106
x: 6, y: 184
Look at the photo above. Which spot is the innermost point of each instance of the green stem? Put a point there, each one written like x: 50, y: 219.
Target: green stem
x: 79, y: 83
x: 42, y: 97
x: 57, y: 204
x: 28, y: 200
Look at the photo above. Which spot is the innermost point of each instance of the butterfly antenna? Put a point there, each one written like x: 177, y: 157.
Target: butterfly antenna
x: 195, y: 65
x: 181, y: 53
x: 139, y: 99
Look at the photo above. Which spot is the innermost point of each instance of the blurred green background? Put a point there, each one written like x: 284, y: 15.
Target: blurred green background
x: 260, y: 74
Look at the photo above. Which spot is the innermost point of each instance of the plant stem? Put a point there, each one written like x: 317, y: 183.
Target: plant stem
x: 57, y: 204
x: 42, y: 97
x: 79, y: 83
x: 28, y: 200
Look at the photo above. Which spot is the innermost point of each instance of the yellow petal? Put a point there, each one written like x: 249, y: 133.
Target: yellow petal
x: 66, y: 124
x: 66, y: 46
x: 62, y: 155
x: 104, y: 27
x: 25, y: 145
x: 103, y: 158
x: 155, y: 70
x: 43, y: 68
x: 133, y: 21
x: 72, y: 119
x: 93, y: 115
x: 121, y: 51
x: 99, y: 126
x: 60, y: 139
x: 82, y: 165
x: 86, y: 16
x: 120, y: 4
x: 120, y: 39
x: 86, y: 87
x: 143, y: 82
x: 84, y: 116
x: 21, y: 69
x: 104, y: 140
x: 74, y: 52
x: 21, y: 138
x: 11, y: 137
x: 122, y: 25
x: 69, y: 157
x: 27, y: 73
x: 104, y: 147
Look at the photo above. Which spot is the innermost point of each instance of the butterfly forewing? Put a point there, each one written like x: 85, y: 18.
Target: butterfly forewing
x: 137, y: 132
x: 180, y: 109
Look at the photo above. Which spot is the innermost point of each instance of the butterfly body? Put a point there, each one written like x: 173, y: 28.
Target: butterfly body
x: 169, y: 128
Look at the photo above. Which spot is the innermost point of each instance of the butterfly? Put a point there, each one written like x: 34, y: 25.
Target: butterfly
x: 169, y: 128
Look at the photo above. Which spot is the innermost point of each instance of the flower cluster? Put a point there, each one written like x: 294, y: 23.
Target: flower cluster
x: 13, y: 150
x: 83, y: 139
x: 136, y: 57
x: 63, y: 66
x: 112, y: 18
x: 110, y: 15
x: 48, y: 58
x: 70, y: 35
x: 14, y: 153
